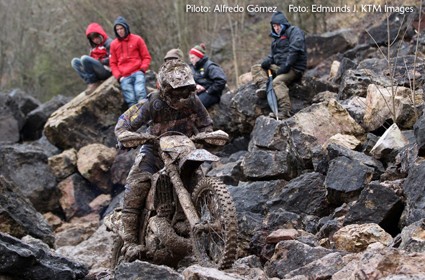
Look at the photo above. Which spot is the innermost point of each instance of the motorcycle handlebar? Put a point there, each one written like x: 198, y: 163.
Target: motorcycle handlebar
x: 133, y: 139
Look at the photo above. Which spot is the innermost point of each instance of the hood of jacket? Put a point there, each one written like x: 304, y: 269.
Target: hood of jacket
x: 279, y: 18
x: 121, y: 21
x: 96, y: 28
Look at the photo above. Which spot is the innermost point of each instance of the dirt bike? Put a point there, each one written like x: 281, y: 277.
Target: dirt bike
x: 184, y: 210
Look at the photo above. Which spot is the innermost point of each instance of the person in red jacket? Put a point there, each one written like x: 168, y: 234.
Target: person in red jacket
x: 129, y: 61
x: 94, y: 68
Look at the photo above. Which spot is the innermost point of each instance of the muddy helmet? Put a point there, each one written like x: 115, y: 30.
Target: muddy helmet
x: 174, y: 54
x: 176, y: 83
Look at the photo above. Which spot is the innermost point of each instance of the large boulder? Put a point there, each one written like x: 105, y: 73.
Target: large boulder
x: 314, y: 125
x: 414, y: 189
x: 250, y: 200
x: 87, y: 119
x: 334, y: 151
x: 413, y: 237
x: 380, y: 262
x: 11, y: 119
x: 345, y: 179
x: 27, y: 166
x: 389, y: 144
x: 32, y: 260
x: 237, y: 112
x: 355, y: 82
x: 419, y: 131
x: 144, y: 270
x: 64, y: 164
x: 401, y: 70
x: 396, y: 24
x: 324, y: 45
x: 379, y: 204
x: 304, y: 195
x: 291, y: 255
x: 355, y: 238
x: 94, y: 164
x: 272, y: 153
x: 26, y: 103
x: 76, y: 195
x: 383, y: 103
x: 95, y: 250
x: 19, y: 217
x: 35, y: 120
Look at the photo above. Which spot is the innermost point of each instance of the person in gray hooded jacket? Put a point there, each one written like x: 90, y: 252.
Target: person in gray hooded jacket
x: 287, y: 61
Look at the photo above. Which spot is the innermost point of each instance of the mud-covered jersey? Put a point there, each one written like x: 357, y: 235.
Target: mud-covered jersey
x: 159, y: 117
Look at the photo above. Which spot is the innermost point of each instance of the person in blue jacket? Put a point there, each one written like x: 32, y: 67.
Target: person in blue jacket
x: 209, y: 77
x: 287, y: 61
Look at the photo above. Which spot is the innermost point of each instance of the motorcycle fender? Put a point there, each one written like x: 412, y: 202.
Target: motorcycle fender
x: 199, y: 155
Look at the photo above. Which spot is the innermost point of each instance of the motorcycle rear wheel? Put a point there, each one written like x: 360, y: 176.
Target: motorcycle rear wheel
x: 215, y: 237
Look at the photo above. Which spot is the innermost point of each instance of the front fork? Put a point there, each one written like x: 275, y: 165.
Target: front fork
x: 182, y: 193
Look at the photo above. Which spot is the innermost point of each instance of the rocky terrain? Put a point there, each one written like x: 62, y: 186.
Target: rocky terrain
x: 334, y: 192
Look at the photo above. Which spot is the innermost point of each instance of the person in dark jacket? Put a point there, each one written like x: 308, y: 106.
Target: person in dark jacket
x: 130, y: 59
x: 209, y: 77
x: 287, y: 61
x: 175, y: 107
x: 94, y: 68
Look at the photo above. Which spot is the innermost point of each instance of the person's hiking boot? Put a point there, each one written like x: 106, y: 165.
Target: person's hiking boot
x: 92, y: 87
x: 280, y: 115
x: 261, y: 92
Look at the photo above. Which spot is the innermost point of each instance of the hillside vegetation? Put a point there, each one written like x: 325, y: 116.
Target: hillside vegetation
x: 41, y: 37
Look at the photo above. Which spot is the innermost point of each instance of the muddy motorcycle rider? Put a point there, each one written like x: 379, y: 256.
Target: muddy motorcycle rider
x: 174, y: 108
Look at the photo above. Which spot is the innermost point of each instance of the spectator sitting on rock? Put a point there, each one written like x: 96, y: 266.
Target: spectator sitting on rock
x: 287, y: 61
x: 130, y: 59
x: 94, y: 68
x: 209, y: 77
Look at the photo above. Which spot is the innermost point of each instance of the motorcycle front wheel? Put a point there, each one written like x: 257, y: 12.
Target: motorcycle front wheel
x: 215, y: 237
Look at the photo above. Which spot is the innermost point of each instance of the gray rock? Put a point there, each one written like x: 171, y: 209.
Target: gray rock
x: 419, y: 130
x: 345, y: 179
x: 291, y: 255
x: 27, y: 166
x: 11, y: 119
x: 377, y: 204
x: 324, y: 45
x: 322, y: 268
x: 76, y: 195
x: 35, y: 120
x: 144, y: 270
x: 28, y: 261
x: 413, y: 237
x: 26, y: 103
x: 304, y: 195
x: 98, y: 112
x: 414, y: 189
x: 19, y: 218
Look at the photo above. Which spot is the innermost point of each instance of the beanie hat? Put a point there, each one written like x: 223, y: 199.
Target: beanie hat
x: 174, y: 54
x: 198, y: 50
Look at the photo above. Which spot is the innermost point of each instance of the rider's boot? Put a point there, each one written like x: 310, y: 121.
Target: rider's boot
x: 134, y: 199
x: 131, y: 250
x: 130, y: 223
